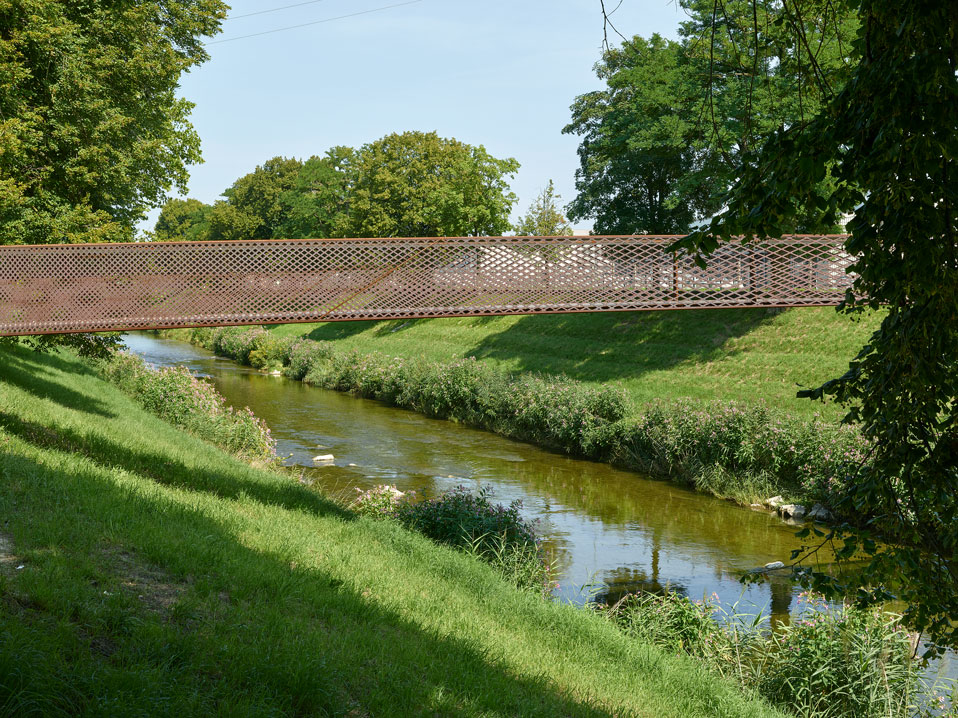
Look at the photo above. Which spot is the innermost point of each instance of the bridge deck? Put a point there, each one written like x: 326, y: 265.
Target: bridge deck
x: 48, y: 289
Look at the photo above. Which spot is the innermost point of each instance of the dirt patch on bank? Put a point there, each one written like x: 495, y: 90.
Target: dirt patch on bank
x: 151, y: 585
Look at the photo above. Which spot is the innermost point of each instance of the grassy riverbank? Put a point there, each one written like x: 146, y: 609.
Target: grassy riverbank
x: 142, y: 570
x: 725, y: 354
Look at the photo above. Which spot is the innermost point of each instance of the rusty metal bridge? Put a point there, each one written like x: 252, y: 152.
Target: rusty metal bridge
x: 47, y: 289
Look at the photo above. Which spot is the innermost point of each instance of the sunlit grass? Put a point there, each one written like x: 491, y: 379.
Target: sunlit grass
x: 743, y: 354
x: 145, y: 572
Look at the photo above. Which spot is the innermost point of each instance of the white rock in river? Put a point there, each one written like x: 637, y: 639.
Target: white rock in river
x: 774, y: 565
x: 774, y: 502
x: 792, y: 511
x: 324, y: 457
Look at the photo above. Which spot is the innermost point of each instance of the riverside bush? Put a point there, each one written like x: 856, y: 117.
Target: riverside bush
x: 743, y: 451
x: 174, y: 394
x: 494, y: 533
x: 827, y: 663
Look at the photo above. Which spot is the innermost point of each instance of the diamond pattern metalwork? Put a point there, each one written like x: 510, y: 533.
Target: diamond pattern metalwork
x: 46, y: 289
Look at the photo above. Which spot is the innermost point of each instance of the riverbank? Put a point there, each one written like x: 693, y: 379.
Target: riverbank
x: 743, y: 451
x: 702, y: 355
x: 140, y: 566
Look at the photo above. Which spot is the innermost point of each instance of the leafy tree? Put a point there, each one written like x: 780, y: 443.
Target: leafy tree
x: 667, y: 136
x: 254, y: 206
x: 889, y: 136
x: 183, y: 220
x: 638, y: 145
x: 93, y: 132
x: 544, y: 218
x: 317, y: 204
x: 417, y: 184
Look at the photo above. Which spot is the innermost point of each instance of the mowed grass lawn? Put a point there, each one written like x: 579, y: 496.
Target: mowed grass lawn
x: 144, y: 572
x: 742, y: 354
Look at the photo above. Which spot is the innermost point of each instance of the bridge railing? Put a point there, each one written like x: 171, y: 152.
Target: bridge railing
x: 151, y: 285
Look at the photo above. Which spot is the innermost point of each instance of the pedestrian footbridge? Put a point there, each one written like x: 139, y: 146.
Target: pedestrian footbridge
x: 48, y: 289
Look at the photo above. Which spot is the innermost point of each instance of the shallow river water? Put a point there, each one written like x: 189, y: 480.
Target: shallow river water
x: 612, y: 531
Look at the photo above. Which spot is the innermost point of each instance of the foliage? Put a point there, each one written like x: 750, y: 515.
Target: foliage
x: 544, y: 219
x: 495, y: 534
x: 828, y: 663
x: 417, y: 184
x: 89, y: 346
x: 317, y: 204
x: 636, y: 149
x: 183, y: 220
x: 93, y: 130
x: 888, y: 137
x: 175, y: 395
x: 745, y: 451
x: 255, y: 207
x: 92, y: 133
x: 666, y: 136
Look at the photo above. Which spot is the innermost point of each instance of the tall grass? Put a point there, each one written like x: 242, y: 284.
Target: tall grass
x: 826, y: 663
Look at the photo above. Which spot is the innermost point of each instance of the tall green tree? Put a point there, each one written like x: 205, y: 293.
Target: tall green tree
x: 889, y: 136
x: 669, y: 134
x: 93, y: 133
x: 417, y: 184
x: 254, y: 207
x: 183, y: 220
x: 544, y: 218
x: 638, y: 144
x: 317, y: 204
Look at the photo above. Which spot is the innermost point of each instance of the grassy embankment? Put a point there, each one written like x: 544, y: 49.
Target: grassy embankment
x: 740, y: 354
x: 143, y: 571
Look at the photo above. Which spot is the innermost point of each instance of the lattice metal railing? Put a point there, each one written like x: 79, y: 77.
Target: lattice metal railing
x: 98, y: 287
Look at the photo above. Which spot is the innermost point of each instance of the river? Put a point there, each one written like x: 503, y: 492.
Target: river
x: 611, y: 531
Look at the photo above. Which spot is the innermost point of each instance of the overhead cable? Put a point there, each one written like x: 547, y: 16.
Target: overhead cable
x: 275, y: 9
x: 314, y: 22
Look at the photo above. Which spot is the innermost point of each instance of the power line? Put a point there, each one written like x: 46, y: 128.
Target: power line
x: 315, y: 22
x: 275, y: 9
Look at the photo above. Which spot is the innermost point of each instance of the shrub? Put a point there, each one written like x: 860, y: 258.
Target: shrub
x: 828, y: 663
x: 192, y: 403
x: 270, y: 352
x: 302, y: 355
x: 236, y: 342
x: 496, y: 534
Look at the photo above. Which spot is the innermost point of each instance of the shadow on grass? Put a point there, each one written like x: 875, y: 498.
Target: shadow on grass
x: 289, y: 495
x: 617, y: 345
x: 331, y: 331
x: 286, y: 639
x: 31, y: 372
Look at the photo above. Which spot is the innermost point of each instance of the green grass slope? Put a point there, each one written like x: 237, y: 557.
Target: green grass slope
x: 743, y: 354
x: 144, y: 572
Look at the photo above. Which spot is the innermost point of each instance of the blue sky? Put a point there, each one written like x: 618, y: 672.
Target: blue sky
x: 493, y: 72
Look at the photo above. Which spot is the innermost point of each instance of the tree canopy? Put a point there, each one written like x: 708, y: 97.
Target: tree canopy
x: 183, y: 220
x: 93, y: 133
x: 418, y: 184
x: 664, y: 140
x: 889, y: 138
x: 414, y: 184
